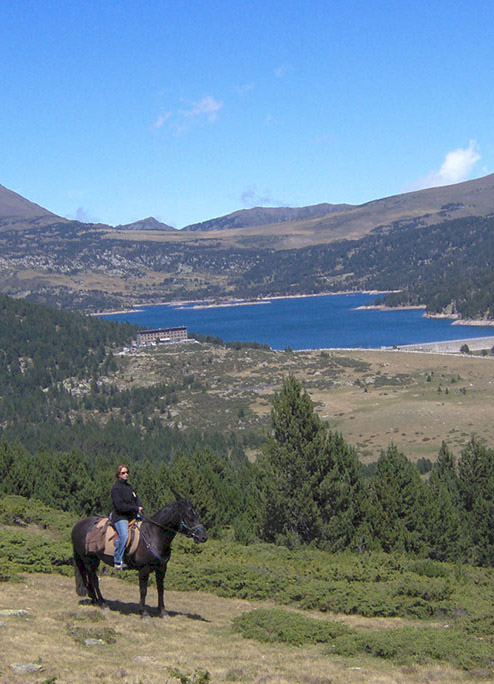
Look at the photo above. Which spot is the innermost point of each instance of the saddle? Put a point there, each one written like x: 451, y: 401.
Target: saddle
x: 101, y: 537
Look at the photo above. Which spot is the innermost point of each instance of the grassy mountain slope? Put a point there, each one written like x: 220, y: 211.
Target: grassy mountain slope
x: 240, y: 614
x: 13, y: 205
x: 404, y: 242
x: 149, y: 223
x: 262, y: 216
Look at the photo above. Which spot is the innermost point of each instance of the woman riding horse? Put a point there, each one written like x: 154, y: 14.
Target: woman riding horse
x: 126, y: 505
x: 151, y: 555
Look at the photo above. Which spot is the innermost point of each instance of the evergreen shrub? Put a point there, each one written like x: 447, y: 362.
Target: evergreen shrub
x: 418, y: 645
x: 402, y: 645
x: 279, y: 625
x: 27, y: 552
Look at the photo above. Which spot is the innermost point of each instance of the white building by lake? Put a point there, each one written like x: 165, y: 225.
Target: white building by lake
x: 162, y: 336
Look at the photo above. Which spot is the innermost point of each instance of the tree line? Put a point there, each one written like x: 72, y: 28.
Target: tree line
x: 307, y: 488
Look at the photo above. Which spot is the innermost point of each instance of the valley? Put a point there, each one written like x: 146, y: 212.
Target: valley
x: 414, y: 400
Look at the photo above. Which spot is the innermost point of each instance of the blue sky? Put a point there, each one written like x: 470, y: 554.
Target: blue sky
x: 187, y: 110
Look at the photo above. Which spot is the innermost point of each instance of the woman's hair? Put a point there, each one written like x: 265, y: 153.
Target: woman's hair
x: 121, y: 467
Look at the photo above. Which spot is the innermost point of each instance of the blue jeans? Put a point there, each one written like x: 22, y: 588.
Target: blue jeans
x: 122, y: 527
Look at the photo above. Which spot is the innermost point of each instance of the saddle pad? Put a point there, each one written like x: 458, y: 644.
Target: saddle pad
x: 134, y: 536
x: 101, y: 538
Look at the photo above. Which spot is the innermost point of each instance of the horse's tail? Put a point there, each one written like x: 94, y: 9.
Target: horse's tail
x: 80, y: 574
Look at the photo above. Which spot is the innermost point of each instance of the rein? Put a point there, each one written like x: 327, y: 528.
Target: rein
x: 184, y: 529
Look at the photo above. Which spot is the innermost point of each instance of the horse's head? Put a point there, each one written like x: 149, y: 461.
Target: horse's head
x: 190, y: 525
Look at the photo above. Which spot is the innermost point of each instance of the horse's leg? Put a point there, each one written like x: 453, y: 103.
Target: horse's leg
x: 93, y: 581
x: 80, y: 575
x: 143, y: 588
x: 160, y: 586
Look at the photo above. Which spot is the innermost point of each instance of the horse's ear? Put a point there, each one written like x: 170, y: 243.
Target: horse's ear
x: 176, y: 494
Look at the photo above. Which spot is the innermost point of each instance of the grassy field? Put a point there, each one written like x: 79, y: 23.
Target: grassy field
x: 196, y: 639
x: 246, y: 614
x: 373, y: 398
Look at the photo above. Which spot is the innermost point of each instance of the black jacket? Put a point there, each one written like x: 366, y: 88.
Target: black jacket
x: 125, y: 501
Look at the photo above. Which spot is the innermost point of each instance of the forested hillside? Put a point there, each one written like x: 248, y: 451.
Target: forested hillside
x: 63, y: 434
x: 65, y: 425
x: 447, y: 266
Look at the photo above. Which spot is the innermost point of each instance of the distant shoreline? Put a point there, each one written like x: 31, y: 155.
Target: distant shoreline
x: 383, y: 307
x: 480, y: 322
x: 441, y: 346
x: 211, y: 304
x: 115, y: 313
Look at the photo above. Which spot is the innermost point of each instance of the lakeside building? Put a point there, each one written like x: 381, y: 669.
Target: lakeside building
x: 162, y: 336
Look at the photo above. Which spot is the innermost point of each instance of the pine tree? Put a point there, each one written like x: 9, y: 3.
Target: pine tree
x: 399, y: 504
x: 19, y: 474
x: 148, y: 486
x: 64, y: 481
x: 476, y: 484
x: 446, y: 536
x: 475, y: 467
x: 311, y: 482
x: 208, y: 480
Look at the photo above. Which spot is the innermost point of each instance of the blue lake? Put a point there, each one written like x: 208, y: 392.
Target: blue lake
x: 306, y: 323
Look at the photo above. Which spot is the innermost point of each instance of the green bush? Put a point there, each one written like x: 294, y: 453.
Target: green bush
x: 481, y: 625
x: 428, y: 568
x: 418, y: 645
x: 18, y: 510
x: 279, y: 625
x: 404, y: 645
x: 372, y: 585
x: 81, y: 634
x: 24, y: 552
x: 9, y: 572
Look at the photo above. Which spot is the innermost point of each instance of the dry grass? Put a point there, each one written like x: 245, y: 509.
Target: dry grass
x: 196, y: 637
x: 414, y: 400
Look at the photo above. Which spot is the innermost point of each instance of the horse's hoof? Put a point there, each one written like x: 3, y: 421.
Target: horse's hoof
x: 145, y: 616
x: 164, y: 613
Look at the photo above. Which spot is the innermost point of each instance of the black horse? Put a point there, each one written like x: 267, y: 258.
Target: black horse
x: 152, y: 553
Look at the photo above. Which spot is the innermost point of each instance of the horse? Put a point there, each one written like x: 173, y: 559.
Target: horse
x: 152, y: 553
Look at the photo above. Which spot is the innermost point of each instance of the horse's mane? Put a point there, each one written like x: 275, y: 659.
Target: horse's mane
x: 166, y: 515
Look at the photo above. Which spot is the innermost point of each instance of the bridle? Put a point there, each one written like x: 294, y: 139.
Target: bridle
x: 183, y: 529
x: 189, y: 531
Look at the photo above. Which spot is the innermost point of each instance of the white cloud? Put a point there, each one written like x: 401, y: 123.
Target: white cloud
x: 195, y: 113
x: 282, y: 71
x: 251, y: 198
x: 81, y: 214
x: 207, y: 108
x: 242, y: 90
x: 456, y: 167
x: 161, y: 120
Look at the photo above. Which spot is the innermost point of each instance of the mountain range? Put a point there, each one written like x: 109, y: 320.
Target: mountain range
x: 16, y: 211
x: 312, y: 224
x: 263, y: 251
